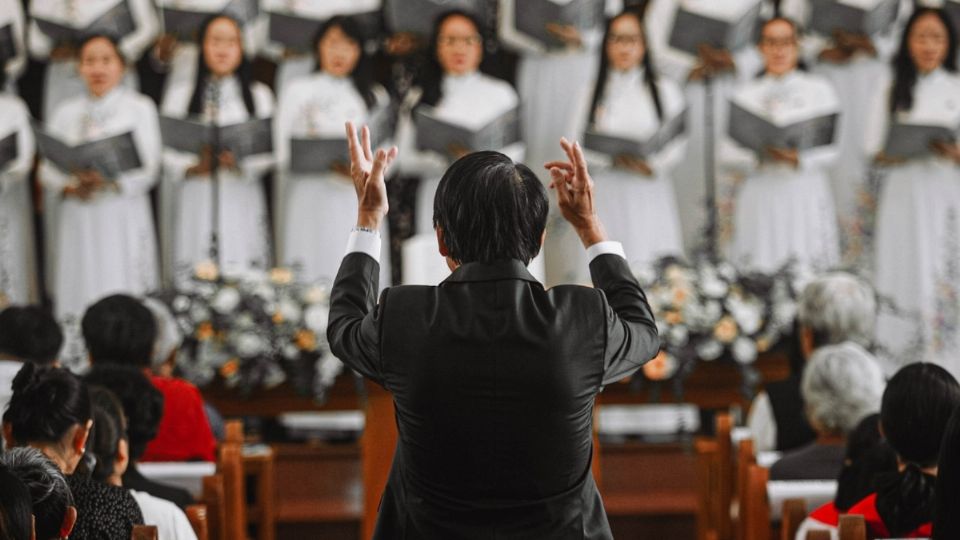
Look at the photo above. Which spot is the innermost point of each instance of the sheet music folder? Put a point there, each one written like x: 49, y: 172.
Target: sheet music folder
x: 109, y: 156
x: 532, y: 17
x: 691, y: 29
x: 612, y: 145
x: 828, y: 16
x: 439, y: 135
x: 243, y: 139
x: 758, y: 133
x: 908, y: 141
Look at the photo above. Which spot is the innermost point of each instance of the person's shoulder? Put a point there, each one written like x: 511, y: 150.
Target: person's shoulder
x: 498, y: 87
x: 143, y: 104
x: 175, y: 386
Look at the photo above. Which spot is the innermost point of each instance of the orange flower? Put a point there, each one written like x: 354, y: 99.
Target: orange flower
x: 657, y: 369
x: 306, y: 340
x: 679, y: 295
x: 204, y: 331
x: 281, y: 276
x: 763, y: 345
x: 230, y: 368
x: 673, y: 317
x: 726, y: 330
x: 277, y: 317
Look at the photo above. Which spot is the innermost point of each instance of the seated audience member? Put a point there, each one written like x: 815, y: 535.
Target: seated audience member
x: 163, y: 362
x: 27, y: 334
x: 16, y: 510
x: 914, y: 413
x: 51, y: 501
x: 108, y: 444
x: 51, y: 411
x: 119, y: 329
x: 868, y: 456
x: 142, y: 406
x: 834, y: 308
x: 841, y: 385
x: 946, y: 510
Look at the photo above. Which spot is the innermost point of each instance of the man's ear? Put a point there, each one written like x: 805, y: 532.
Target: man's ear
x: 444, y: 252
x: 33, y: 527
x: 543, y: 238
x: 69, y: 520
x: 806, y: 342
x: 80, y: 437
x: 122, y: 461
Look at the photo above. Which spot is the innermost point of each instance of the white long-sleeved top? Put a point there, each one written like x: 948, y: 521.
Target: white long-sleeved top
x: 790, y: 98
x: 11, y: 12
x: 16, y: 232
x: 79, y: 14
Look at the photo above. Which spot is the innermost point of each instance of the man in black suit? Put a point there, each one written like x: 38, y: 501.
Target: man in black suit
x: 493, y: 377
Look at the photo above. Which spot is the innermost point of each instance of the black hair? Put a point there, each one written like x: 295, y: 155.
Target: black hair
x: 490, y: 209
x: 30, y: 333
x: 244, y: 71
x: 649, y: 74
x: 362, y: 74
x: 916, y: 406
x: 16, y: 512
x: 867, y: 456
x: 46, y: 403
x: 142, y: 402
x: 49, y: 493
x: 431, y: 77
x: 109, y: 428
x: 119, y: 329
x: 946, y: 510
x: 905, y: 71
x: 110, y: 38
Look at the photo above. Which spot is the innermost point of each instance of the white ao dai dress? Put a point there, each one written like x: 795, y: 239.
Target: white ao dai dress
x: 784, y: 213
x: 319, y: 210
x: 106, y: 244
x: 16, y: 219
x: 244, y: 224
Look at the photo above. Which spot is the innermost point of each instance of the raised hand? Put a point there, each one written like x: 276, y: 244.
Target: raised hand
x: 367, y: 171
x: 574, y: 188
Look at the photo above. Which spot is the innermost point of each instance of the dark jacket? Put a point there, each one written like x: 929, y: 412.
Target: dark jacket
x: 494, y: 380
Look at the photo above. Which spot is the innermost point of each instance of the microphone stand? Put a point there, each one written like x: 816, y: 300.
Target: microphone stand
x: 710, y: 167
x: 213, y: 116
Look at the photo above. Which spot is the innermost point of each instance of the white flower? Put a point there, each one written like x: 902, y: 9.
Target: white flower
x: 709, y: 350
x: 727, y: 271
x: 316, y: 318
x: 265, y: 291
x: 226, y: 300
x: 678, y: 336
x: 244, y: 321
x: 199, y: 313
x: 645, y: 274
x: 748, y: 314
x: 316, y: 295
x: 180, y: 304
x: 289, y: 311
x: 249, y: 344
x: 744, y: 350
x: 290, y: 351
x: 712, y: 311
x: 274, y: 376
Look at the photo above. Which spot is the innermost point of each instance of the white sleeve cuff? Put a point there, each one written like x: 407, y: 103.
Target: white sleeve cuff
x: 609, y: 247
x: 364, y: 242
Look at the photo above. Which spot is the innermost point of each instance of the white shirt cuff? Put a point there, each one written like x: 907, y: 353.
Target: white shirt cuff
x: 609, y: 247
x: 364, y: 242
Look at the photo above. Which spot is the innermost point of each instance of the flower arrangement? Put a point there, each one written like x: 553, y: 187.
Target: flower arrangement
x: 710, y: 311
x: 255, y: 330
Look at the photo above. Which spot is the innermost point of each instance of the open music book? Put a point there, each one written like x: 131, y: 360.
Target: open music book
x: 9, y: 149
x: 907, y: 141
x: 243, y: 139
x: 185, y: 23
x: 296, y: 32
x: 532, y: 17
x: 313, y: 155
x: 828, y: 16
x: 613, y: 145
x: 8, y: 46
x: 759, y: 133
x: 440, y: 135
x: 109, y: 156
x: 691, y: 29
x: 116, y: 22
x: 417, y: 16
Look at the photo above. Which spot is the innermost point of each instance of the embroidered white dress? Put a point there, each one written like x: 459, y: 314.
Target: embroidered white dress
x: 319, y: 210
x: 918, y: 234
x: 292, y: 65
x: 244, y: 224
x: 106, y: 244
x: 17, y: 270
x: 62, y: 80
x: 781, y: 212
x: 11, y: 13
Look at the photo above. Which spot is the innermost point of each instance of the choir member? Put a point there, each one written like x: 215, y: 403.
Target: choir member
x: 460, y: 94
x: 104, y: 241
x: 784, y: 210
x: 13, y: 52
x: 918, y: 214
x: 61, y: 81
x: 320, y: 208
x: 224, y: 93
x: 635, y: 195
x: 16, y: 219
x: 293, y: 63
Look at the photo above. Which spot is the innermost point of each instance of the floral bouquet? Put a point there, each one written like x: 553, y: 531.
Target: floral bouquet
x: 710, y: 311
x: 255, y: 330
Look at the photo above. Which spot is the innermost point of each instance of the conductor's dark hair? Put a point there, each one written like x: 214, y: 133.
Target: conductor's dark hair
x: 50, y: 495
x: 649, y: 74
x: 109, y: 428
x: 109, y: 37
x: 16, y: 511
x: 914, y: 413
x: 362, y: 74
x: 867, y: 456
x: 490, y: 209
x: 905, y: 71
x: 946, y: 512
x: 431, y: 78
x: 119, y: 329
x: 30, y: 333
x: 244, y: 71
x: 142, y: 402
x: 46, y: 403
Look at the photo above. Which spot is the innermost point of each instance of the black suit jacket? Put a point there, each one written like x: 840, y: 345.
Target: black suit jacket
x: 494, y: 380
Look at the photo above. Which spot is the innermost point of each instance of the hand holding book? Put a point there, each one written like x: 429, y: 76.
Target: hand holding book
x: 949, y: 150
x: 633, y: 163
x: 790, y: 156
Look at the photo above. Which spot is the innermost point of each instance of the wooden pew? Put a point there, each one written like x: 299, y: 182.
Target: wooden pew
x: 754, y: 505
x: 197, y: 515
x: 852, y: 527
x: 818, y: 535
x: 257, y: 467
x: 144, y: 532
x: 745, y: 460
x: 794, y: 512
x: 230, y: 467
x: 708, y: 488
